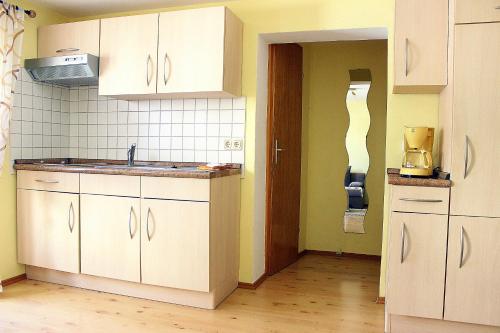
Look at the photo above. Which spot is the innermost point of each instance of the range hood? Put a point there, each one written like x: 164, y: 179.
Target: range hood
x: 68, y: 70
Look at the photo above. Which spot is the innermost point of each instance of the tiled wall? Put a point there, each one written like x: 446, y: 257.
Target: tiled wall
x: 51, y: 121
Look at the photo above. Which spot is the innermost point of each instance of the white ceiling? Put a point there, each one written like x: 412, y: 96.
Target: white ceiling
x: 81, y: 8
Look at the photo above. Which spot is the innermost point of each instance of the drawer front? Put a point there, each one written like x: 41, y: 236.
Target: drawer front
x: 48, y: 181
x: 175, y: 188
x: 126, y: 186
x: 415, y: 199
x: 473, y: 11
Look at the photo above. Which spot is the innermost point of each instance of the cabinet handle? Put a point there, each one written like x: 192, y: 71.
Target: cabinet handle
x: 462, y: 232
x: 407, y: 45
x: 403, y: 237
x: 47, y: 181
x: 497, y: 7
x: 466, y: 156
x: 147, y: 224
x: 149, y: 78
x: 130, y: 222
x: 69, y: 49
x: 420, y: 200
x: 71, y: 212
x: 166, y: 77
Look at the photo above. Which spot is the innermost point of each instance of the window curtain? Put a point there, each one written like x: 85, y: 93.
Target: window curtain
x: 11, y: 41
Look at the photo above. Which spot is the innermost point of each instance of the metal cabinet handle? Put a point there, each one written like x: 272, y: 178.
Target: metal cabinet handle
x: 71, y: 212
x: 130, y: 222
x: 466, y: 156
x: 149, y: 78
x: 47, y: 181
x: 69, y: 49
x: 277, y: 150
x: 420, y: 200
x: 403, y: 237
x: 147, y: 224
x: 462, y: 232
x: 407, y: 45
x: 166, y: 77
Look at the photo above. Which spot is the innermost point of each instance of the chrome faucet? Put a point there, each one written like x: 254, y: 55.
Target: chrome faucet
x: 131, y: 155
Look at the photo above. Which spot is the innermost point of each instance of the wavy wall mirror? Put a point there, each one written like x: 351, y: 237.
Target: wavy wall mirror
x: 355, y: 142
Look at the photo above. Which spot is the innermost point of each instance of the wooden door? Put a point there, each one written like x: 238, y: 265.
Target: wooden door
x: 417, y: 262
x: 420, y: 46
x: 473, y: 272
x: 176, y: 252
x: 283, y: 155
x: 476, y: 115
x: 69, y: 38
x: 110, y: 237
x: 48, y: 230
x: 191, y: 50
x: 128, y: 55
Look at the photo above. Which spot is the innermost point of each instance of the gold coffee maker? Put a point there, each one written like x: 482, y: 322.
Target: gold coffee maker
x: 417, y: 152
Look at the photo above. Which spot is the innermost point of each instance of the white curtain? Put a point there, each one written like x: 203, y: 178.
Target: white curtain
x: 11, y: 41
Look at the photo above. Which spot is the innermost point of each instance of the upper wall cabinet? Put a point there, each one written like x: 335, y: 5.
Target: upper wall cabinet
x: 128, y: 59
x: 420, y: 46
x: 183, y: 53
x: 69, y: 38
x: 477, y: 11
x: 200, y: 52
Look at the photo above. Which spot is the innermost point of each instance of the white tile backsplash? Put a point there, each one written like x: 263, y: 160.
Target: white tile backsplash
x: 52, y: 121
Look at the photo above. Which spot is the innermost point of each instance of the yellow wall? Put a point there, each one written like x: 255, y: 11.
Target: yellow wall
x: 326, y: 120
x: 266, y: 16
x: 8, y: 262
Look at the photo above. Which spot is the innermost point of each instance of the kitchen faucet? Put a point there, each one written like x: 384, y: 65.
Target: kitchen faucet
x: 130, y: 155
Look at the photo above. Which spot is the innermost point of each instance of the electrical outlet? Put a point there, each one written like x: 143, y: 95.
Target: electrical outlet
x: 228, y: 144
x: 237, y: 144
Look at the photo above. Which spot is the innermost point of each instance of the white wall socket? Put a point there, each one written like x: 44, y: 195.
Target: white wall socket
x: 237, y: 144
x: 228, y: 144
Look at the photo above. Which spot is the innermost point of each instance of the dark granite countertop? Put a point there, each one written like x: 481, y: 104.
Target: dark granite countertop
x: 119, y: 167
x: 395, y: 179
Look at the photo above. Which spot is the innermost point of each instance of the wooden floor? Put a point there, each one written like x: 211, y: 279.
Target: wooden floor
x: 316, y: 294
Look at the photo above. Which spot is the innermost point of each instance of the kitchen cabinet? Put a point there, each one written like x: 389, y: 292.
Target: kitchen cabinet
x: 128, y: 55
x: 69, y: 38
x: 48, y: 230
x: 200, y: 52
x: 472, y: 281
x: 166, y: 227
x: 420, y: 46
x: 110, y: 236
x: 417, y: 261
x: 477, y: 11
x: 476, y: 115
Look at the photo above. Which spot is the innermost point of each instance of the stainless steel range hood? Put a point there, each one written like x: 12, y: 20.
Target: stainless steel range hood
x: 69, y: 70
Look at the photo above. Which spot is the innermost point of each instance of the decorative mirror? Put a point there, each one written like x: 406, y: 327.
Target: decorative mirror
x: 355, y: 142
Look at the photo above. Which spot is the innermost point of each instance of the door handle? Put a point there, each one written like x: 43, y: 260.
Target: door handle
x: 403, y: 237
x: 149, y: 78
x: 147, y: 224
x: 166, y: 77
x: 277, y: 150
x: 130, y: 222
x: 462, y: 236
x: 71, y: 212
x: 407, y: 45
x: 466, y: 156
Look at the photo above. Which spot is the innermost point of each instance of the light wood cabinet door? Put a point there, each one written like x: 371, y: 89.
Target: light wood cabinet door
x: 473, y: 272
x: 175, y: 244
x: 420, y: 46
x: 475, y: 11
x: 48, y: 230
x: 476, y: 115
x: 417, y: 261
x: 128, y: 55
x: 69, y: 38
x: 110, y: 237
x: 199, y: 51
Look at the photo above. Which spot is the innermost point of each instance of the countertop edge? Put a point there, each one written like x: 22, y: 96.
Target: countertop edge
x: 395, y: 179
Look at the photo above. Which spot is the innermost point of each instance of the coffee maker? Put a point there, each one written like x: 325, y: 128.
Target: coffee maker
x: 417, y: 152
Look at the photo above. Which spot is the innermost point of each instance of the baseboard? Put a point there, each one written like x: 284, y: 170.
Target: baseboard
x: 252, y: 286
x: 344, y: 254
x: 380, y: 300
x: 12, y: 280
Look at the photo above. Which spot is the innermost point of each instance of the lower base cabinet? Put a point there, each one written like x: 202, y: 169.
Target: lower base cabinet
x: 473, y: 271
x: 110, y: 237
